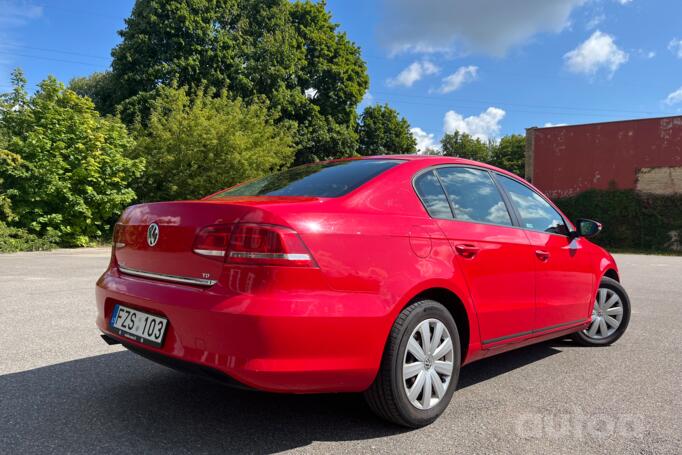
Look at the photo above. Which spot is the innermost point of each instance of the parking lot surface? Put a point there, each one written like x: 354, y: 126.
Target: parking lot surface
x: 63, y: 390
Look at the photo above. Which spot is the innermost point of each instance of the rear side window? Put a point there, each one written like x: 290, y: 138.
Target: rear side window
x: 534, y: 211
x: 316, y: 180
x: 474, y: 196
x: 432, y: 195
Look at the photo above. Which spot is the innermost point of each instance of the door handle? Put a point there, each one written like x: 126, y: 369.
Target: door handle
x: 467, y: 251
x: 542, y: 255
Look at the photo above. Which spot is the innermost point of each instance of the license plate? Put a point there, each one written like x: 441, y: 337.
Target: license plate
x: 139, y: 326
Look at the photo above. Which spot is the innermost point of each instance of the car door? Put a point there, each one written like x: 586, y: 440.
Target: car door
x: 564, y: 277
x: 495, y: 257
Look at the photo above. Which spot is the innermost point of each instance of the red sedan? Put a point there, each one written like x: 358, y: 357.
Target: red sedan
x: 381, y: 275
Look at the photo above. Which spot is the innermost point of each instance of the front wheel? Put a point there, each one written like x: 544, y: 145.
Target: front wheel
x: 419, y: 368
x: 610, y: 315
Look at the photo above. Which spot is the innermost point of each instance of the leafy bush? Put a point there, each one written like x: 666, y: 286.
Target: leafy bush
x: 16, y: 239
x: 632, y: 221
x: 194, y: 146
x: 9, y: 162
x: 64, y: 170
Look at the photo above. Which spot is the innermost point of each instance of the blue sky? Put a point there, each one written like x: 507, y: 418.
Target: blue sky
x: 486, y: 67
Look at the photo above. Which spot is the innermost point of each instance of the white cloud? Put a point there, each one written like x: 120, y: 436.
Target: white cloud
x: 675, y: 97
x: 17, y: 13
x: 599, y: 51
x: 595, y: 21
x: 643, y: 53
x: 413, y: 73
x: 484, y: 126
x: 624, y: 2
x: 463, y: 75
x: 550, y: 124
x: 425, y: 141
x: 675, y: 46
x: 491, y: 26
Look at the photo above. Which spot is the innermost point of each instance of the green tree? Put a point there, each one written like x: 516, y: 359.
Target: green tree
x: 381, y: 130
x: 291, y: 53
x: 69, y: 175
x: 10, y: 165
x: 99, y: 87
x: 464, y: 145
x: 196, y: 145
x: 510, y: 154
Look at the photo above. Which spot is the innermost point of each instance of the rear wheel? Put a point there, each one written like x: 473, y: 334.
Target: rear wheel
x: 610, y: 315
x: 420, y: 366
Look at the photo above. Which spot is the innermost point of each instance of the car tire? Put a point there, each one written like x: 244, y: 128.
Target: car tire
x: 389, y: 396
x: 609, y: 288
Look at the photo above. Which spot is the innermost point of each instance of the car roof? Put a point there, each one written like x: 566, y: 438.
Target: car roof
x: 433, y: 160
x: 410, y: 157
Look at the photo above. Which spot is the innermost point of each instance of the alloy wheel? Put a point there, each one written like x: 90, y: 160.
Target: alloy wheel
x: 428, y: 364
x: 607, y: 314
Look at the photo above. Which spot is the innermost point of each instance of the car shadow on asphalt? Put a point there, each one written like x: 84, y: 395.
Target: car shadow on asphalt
x: 120, y: 402
x: 506, y: 362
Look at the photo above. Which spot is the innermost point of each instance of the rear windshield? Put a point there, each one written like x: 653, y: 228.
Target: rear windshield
x: 316, y: 180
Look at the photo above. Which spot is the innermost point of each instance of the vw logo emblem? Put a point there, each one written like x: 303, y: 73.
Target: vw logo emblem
x: 152, y: 234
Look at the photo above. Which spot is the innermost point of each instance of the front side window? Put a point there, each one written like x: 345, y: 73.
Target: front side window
x: 332, y: 179
x: 474, y: 196
x: 432, y: 196
x: 534, y: 211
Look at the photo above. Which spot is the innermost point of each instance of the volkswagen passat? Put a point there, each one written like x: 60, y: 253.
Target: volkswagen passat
x: 381, y: 275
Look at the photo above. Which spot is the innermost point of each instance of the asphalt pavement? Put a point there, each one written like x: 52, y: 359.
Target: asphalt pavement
x: 63, y: 390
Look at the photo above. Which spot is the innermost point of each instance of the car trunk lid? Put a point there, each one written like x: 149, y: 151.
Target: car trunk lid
x: 157, y: 240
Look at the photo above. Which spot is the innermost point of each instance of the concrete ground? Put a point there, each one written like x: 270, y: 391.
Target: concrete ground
x: 62, y: 390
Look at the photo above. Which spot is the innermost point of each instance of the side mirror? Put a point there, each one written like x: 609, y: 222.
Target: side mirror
x: 587, y: 228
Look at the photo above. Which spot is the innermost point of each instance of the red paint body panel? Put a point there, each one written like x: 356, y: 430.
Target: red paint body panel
x: 504, y: 294
x: 323, y: 328
x: 565, y: 281
x: 570, y: 159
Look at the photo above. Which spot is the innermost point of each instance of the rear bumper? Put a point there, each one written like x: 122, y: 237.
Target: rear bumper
x: 282, y: 342
x: 182, y: 365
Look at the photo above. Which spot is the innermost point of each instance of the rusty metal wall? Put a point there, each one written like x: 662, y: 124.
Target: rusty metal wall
x: 566, y: 160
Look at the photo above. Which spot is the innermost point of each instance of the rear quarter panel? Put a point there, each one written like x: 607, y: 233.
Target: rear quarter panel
x: 379, y: 242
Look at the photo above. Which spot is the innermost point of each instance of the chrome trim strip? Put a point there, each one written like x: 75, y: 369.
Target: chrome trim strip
x: 529, y: 332
x: 209, y: 252
x: 165, y: 277
x: 286, y: 256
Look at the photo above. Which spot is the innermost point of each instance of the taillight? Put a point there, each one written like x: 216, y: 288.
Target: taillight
x: 119, y: 238
x: 254, y: 244
x: 212, y: 241
x: 264, y: 244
